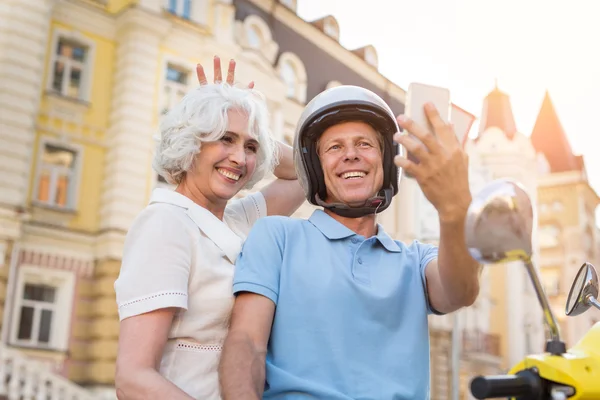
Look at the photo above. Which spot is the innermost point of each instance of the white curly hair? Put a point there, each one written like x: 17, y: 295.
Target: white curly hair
x: 201, y: 116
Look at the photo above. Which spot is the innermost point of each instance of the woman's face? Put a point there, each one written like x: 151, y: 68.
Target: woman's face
x: 224, y: 167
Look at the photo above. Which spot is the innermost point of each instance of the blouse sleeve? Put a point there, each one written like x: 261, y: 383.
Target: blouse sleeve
x: 155, y: 268
x: 246, y: 210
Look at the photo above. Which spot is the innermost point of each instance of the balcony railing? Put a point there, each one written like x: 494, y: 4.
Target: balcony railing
x: 25, y: 378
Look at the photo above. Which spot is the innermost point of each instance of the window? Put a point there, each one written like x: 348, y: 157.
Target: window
x: 254, y: 36
x: 181, y: 8
x: 330, y: 29
x: 35, y: 319
x: 175, y: 86
x: 57, y: 176
x: 293, y: 74
x: 68, y: 69
x: 289, y: 4
x: 370, y: 57
x: 288, y: 74
x: 551, y: 282
x: 42, y: 312
x: 557, y: 206
x: 549, y: 236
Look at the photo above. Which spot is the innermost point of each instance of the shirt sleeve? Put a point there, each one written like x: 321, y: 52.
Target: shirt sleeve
x: 427, y: 253
x: 156, y: 262
x: 259, y: 264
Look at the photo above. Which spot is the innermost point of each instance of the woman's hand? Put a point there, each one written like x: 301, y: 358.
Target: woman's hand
x: 218, y: 76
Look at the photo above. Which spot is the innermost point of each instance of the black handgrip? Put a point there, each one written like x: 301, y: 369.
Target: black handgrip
x: 524, y: 383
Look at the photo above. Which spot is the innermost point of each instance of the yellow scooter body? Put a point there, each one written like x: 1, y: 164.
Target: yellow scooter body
x: 579, y: 368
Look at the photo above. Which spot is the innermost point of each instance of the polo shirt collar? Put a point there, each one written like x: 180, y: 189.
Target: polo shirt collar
x: 387, y: 242
x: 333, y: 230
x: 215, y: 229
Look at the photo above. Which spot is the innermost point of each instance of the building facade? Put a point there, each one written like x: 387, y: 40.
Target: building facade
x: 568, y: 230
x: 504, y: 152
x: 76, y: 146
x: 565, y: 235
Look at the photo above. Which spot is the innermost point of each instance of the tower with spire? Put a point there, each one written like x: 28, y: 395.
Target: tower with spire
x: 501, y: 151
x: 549, y: 138
x: 567, y: 227
x: 497, y: 112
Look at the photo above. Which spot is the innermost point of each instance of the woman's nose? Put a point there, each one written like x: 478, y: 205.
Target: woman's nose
x: 238, y: 155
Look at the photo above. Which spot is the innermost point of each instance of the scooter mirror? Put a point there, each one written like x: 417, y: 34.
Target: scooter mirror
x: 584, y: 291
x: 499, y: 223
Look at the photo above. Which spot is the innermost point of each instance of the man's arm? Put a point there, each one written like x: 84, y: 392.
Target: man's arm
x: 452, y: 278
x: 442, y: 175
x: 256, y: 286
x: 242, y: 366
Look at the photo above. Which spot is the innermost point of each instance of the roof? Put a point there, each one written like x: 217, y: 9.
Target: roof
x: 497, y: 112
x: 549, y: 138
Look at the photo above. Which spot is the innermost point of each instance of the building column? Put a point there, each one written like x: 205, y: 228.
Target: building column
x: 224, y: 19
x: 133, y: 122
x: 24, y: 26
x: 23, y: 45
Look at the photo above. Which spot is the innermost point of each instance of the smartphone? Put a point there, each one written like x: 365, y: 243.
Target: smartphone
x: 417, y: 96
x: 462, y: 121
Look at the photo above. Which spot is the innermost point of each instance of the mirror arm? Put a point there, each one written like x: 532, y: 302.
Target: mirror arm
x: 554, y: 346
x: 592, y: 301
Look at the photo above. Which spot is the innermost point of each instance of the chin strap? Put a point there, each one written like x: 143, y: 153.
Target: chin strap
x: 374, y: 205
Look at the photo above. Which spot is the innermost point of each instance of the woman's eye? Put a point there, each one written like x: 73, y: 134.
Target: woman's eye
x: 227, y: 139
x: 253, y: 149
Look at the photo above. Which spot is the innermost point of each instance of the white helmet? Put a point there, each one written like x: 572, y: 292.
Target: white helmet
x: 333, y: 106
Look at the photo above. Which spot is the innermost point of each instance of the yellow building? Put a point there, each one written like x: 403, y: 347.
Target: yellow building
x: 84, y: 83
x: 501, y: 151
x: 568, y: 233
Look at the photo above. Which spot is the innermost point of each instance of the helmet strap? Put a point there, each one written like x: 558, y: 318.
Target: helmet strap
x: 374, y: 205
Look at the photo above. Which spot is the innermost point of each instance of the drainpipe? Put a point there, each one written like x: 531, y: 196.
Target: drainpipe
x: 456, y: 350
x: 11, y: 284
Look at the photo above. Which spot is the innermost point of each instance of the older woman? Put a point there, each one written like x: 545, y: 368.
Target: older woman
x: 174, y: 290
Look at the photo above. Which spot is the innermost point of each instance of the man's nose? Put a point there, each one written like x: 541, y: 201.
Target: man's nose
x: 351, y: 153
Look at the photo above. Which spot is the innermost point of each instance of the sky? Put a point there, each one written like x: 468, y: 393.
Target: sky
x: 527, y: 46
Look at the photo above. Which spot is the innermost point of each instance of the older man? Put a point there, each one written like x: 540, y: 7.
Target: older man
x: 332, y: 307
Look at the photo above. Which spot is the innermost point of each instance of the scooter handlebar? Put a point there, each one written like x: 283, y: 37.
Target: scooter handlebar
x: 524, y: 383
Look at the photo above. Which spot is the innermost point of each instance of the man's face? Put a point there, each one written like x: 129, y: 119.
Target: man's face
x: 351, y: 158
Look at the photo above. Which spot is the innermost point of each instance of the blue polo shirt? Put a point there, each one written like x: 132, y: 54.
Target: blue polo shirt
x: 351, y: 312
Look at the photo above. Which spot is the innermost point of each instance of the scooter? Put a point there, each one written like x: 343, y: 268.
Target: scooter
x: 499, y: 229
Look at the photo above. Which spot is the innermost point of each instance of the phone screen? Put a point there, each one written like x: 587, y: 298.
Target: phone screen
x: 417, y: 96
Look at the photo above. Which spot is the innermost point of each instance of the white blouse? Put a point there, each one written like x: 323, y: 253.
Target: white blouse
x: 178, y: 254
